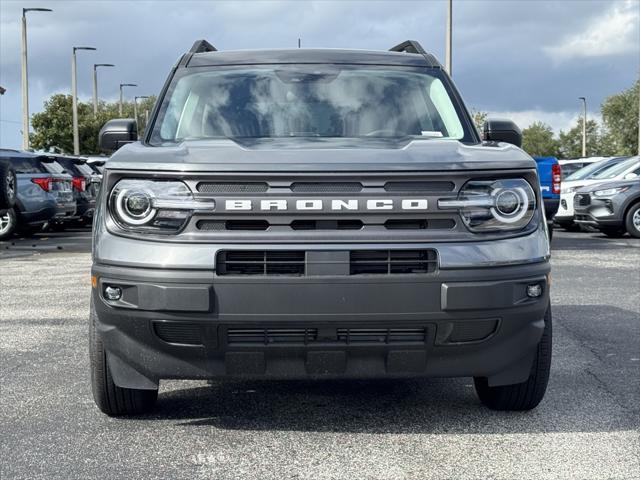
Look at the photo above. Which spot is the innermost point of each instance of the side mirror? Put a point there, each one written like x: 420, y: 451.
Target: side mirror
x: 630, y: 176
x: 501, y: 130
x: 116, y: 133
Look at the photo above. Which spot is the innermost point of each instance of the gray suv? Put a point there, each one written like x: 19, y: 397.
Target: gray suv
x: 612, y: 207
x: 317, y: 214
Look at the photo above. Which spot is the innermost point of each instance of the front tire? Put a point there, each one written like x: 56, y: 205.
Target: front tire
x: 111, y: 399
x: 526, y: 395
x: 632, y: 220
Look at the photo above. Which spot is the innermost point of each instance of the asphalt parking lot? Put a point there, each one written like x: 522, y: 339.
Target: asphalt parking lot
x: 587, y: 426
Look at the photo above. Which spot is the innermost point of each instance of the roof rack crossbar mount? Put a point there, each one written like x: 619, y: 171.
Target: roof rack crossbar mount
x: 202, y: 46
x: 409, y: 46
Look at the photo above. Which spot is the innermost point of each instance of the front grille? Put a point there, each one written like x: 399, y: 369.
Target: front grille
x: 340, y: 335
x: 583, y: 200
x: 321, y: 224
x: 326, y: 224
x: 326, y: 187
x: 220, y: 225
x: 381, y: 262
x: 179, y: 332
x: 261, y: 262
x: 435, y: 186
x: 296, y: 262
x: 219, y: 187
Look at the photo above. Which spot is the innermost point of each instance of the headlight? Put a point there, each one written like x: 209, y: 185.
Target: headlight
x: 153, y: 206
x: 490, y: 205
x: 570, y: 189
x: 610, y: 192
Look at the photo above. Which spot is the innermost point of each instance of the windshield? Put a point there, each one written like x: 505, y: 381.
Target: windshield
x: 617, y: 170
x: 307, y: 101
x: 591, y: 169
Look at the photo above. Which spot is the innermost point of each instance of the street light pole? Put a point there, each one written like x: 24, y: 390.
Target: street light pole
x: 95, y: 85
x: 74, y: 98
x: 121, y: 99
x: 25, y: 74
x: 135, y: 109
x: 584, y: 126
x: 448, y: 41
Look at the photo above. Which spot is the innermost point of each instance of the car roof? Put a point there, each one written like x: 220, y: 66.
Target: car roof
x: 311, y: 56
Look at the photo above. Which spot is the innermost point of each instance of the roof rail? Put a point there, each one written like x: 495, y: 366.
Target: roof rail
x: 202, y: 46
x: 408, y: 46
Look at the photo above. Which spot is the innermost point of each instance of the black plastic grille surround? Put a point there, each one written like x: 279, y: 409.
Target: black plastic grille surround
x: 296, y: 262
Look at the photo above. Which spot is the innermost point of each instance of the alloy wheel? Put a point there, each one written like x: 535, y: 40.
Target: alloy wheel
x: 5, y: 222
x: 11, y: 187
x: 636, y: 220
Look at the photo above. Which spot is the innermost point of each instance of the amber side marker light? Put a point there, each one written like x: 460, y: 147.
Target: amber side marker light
x: 94, y: 281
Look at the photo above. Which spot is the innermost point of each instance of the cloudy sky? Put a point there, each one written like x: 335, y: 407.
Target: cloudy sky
x: 526, y: 59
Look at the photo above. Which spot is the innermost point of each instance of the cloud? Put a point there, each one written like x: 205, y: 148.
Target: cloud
x: 501, y: 56
x: 614, y: 33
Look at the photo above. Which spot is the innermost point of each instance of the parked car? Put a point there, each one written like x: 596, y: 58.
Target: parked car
x: 8, y: 185
x: 62, y: 189
x: 550, y: 175
x: 573, y: 165
x: 611, y: 207
x: 86, y: 184
x: 614, y: 170
x: 97, y: 162
x: 317, y: 214
x: 35, y: 205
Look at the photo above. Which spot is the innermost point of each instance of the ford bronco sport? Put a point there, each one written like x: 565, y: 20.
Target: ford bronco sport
x: 317, y: 214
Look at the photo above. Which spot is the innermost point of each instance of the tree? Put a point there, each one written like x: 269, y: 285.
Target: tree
x: 538, y: 140
x: 53, y: 127
x: 598, y: 143
x: 479, y: 118
x: 620, y: 117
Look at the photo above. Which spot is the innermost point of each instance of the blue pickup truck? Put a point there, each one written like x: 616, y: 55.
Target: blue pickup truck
x: 550, y: 174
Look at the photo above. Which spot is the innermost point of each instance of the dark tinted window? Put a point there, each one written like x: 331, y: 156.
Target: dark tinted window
x: 27, y: 165
x: 70, y: 167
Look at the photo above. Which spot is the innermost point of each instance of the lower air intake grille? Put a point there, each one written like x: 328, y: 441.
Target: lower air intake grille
x: 344, y: 336
x: 267, y: 336
x: 261, y: 262
x: 179, y: 332
x: 294, y: 262
x: 381, y: 262
x: 381, y: 335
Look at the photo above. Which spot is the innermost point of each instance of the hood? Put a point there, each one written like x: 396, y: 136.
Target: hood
x: 320, y: 154
x: 610, y: 184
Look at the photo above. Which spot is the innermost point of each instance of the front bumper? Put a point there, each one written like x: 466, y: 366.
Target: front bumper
x: 65, y: 212
x: 196, y: 324
x: 565, y: 209
x: 600, y: 211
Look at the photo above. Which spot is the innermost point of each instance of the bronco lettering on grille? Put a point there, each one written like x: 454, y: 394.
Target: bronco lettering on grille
x: 414, y: 204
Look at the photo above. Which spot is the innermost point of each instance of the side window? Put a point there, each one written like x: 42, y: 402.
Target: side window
x: 27, y: 165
